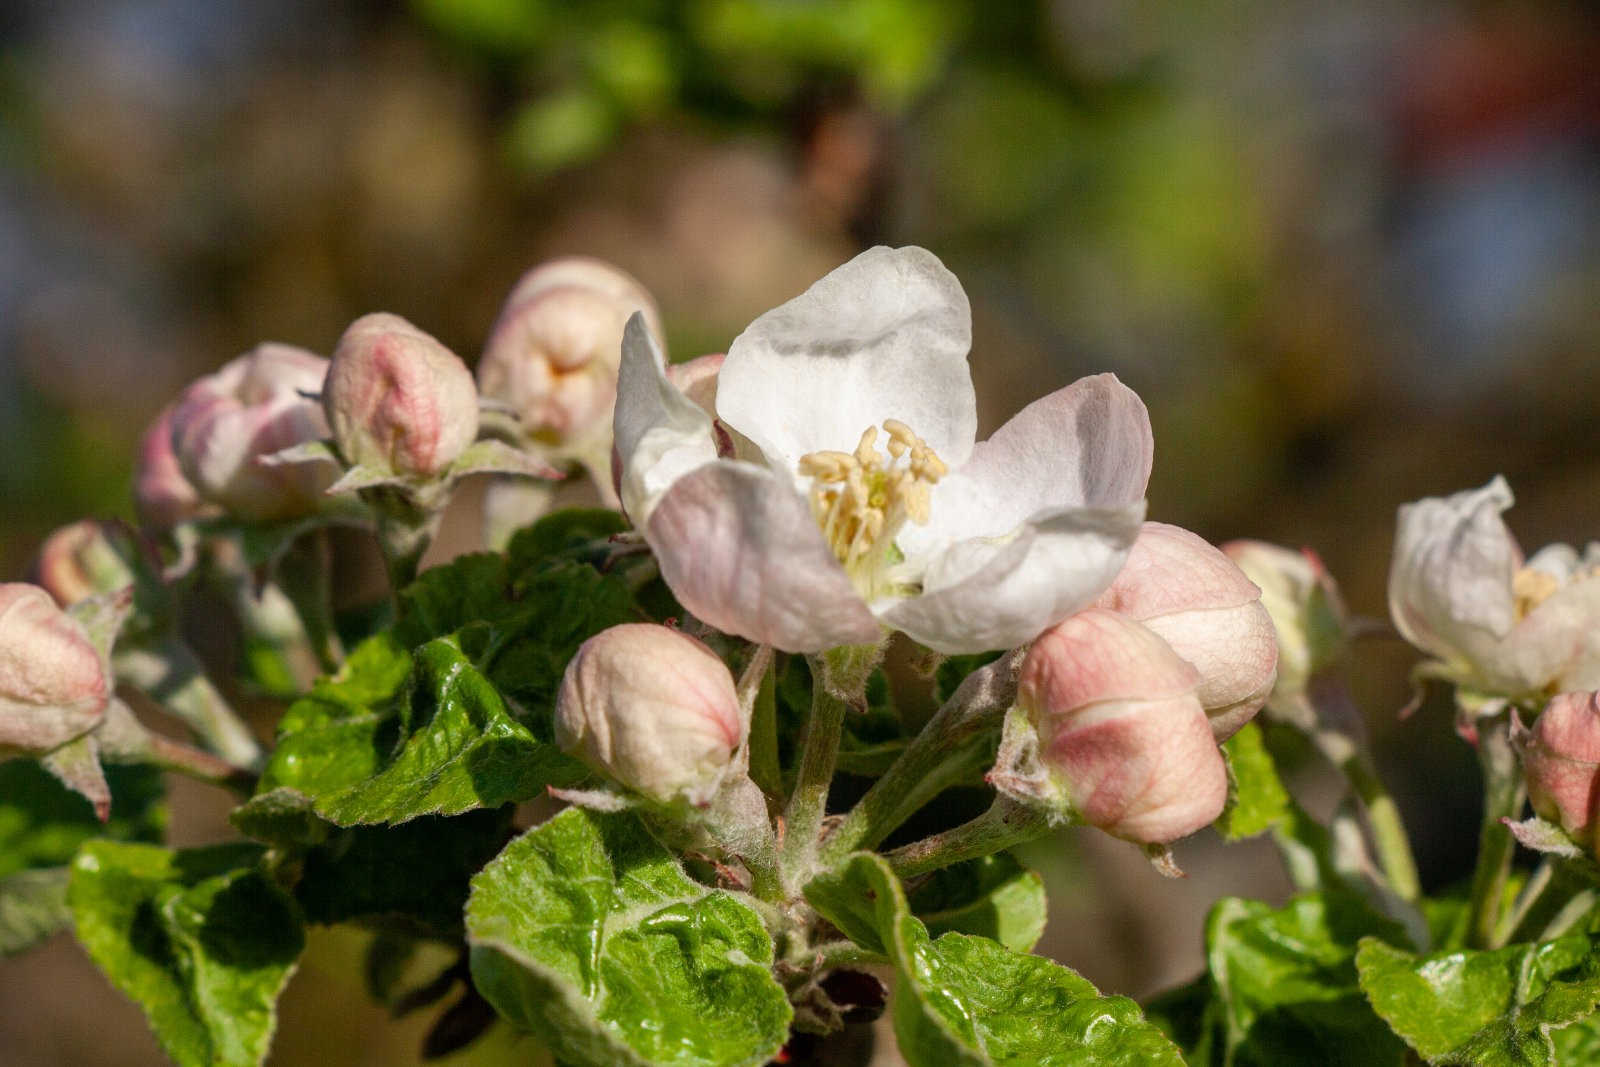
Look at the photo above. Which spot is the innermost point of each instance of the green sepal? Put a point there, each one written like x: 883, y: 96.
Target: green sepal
x: 1257, y: 799
x: 588, y: 933
x: 200, y: 939
x: 966, y: 1001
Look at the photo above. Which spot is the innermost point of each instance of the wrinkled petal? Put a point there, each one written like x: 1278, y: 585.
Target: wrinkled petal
x: 739, y: 549
x: 984, y: 594
x: 661, y: 435
x: 885, y: 336
x: 1087, y: 445
x: 1450, y: 580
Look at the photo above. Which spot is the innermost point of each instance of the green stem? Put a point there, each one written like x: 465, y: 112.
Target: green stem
x: 764, y: 765
x: 949, y: 749
x: 174, y: 677
x: 1502, y: 799
x: 1548, y: 895
x: 1005, y: 824
x: 306, y: 573
x: 1383, y: 815
x: 405, y: 530
x: 807, y: 804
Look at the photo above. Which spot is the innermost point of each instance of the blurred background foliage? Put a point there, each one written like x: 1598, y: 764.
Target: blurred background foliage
x: 1346, y: 252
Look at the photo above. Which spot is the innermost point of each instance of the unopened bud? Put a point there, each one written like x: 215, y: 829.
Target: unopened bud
x: 1303, y: 600
x: 398, y: 400
x: 81, y: 560
x: 554, y: 352
x: 162, y: 496
x: 1561, y: 763
x: 53, y: 684
x: 1202, y: 605
x: 253, y: 407
x: 652, y: 709
x: 1118, y: 733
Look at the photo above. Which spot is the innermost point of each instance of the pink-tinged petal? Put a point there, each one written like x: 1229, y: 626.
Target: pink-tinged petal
x: 53, y: 683
x: 1172, y: 569
x: 661, y: 435
x: 740, y: 550
x: 885, y: 336
x: 1450, y: 578
x: 697, y: 379
x: 981, y: 594
x: 1120, y: 728
x: 162, y: 496
x: 1236, y: 651
x: 1087, y: 445
x: 1561, y: 762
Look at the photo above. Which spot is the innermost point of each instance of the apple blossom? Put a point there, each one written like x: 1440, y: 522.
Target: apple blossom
x: 813, y: 535
x: 1307, y: 612
x: 1108, y: 727
x: 398, y: 401
x: 256, y: 405
x: 552, y: 355
x: 1198, y: 601
x: 162, y: 496
x: 1499, y: 627
x: 652, y: 709
x: 1561, y: 763
x: 53, y: 684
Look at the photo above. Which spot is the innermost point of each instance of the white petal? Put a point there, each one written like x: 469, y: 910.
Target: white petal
x: 661, y: 434
x: 1450, y: 579
x: 883, y: 337
x: 1087, y: 445
x: 740, y: 550
x: 1559, y: 642
x: 984, y: 594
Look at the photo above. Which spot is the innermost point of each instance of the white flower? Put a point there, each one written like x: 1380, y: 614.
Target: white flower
x: 807, y: 534
x: 1497, y: 626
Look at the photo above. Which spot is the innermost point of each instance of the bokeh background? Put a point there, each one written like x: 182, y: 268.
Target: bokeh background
x: 1346, y: 252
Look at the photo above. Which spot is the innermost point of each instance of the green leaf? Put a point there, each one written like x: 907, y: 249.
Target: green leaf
x: 1257, y: 799
x: 1192, y: 1018
x: 1492, y: 1008
x: 42, y: 823
x: 1286, y: 980
x: 993, y: 897
x: 966, y: 1000
x: 580, y: 534
x: 200, y: 939
x: 468, y: 589
x: 417, y: 873
x: 33, y: 905
x: 365, y: 749
x: 588, y: 933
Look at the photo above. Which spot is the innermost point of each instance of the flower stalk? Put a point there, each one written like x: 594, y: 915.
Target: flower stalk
x: 1007, y: 823
x: 1503, y: 797
x: 802, y: 818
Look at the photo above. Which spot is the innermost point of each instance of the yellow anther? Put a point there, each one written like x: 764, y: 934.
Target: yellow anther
x: 861, y: 499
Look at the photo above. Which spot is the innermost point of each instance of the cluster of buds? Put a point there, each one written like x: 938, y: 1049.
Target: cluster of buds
x: 1121, y: 707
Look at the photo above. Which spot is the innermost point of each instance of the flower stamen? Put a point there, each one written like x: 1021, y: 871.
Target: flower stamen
x: 861, y: 499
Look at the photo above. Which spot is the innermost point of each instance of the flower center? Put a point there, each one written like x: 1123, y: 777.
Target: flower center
x: 861, y: 499
x: 1531, y: 587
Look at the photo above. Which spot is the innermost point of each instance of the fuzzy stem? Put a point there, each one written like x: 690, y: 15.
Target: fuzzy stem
x: 764, y: 765
x: 941, y: 755
x: 174, y: 677
x: 808, y: 802
x: 405, y: 530
x: 1005, y: 824
x: 1502, y: 799
x: 1383, y: 816
x: 306, y: 575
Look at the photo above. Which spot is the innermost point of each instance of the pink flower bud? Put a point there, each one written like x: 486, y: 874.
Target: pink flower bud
x: 398, y: 400
x: 254, y: 406
x: 554, y: 352
x: 79, y: 560
x: 162, y: 496
x: 53, y: 684
x: 1120, y: 728
x: 1303, y: 600
x: 1561, y: 763
x: 652, y: 709
x: 1202, y: 605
